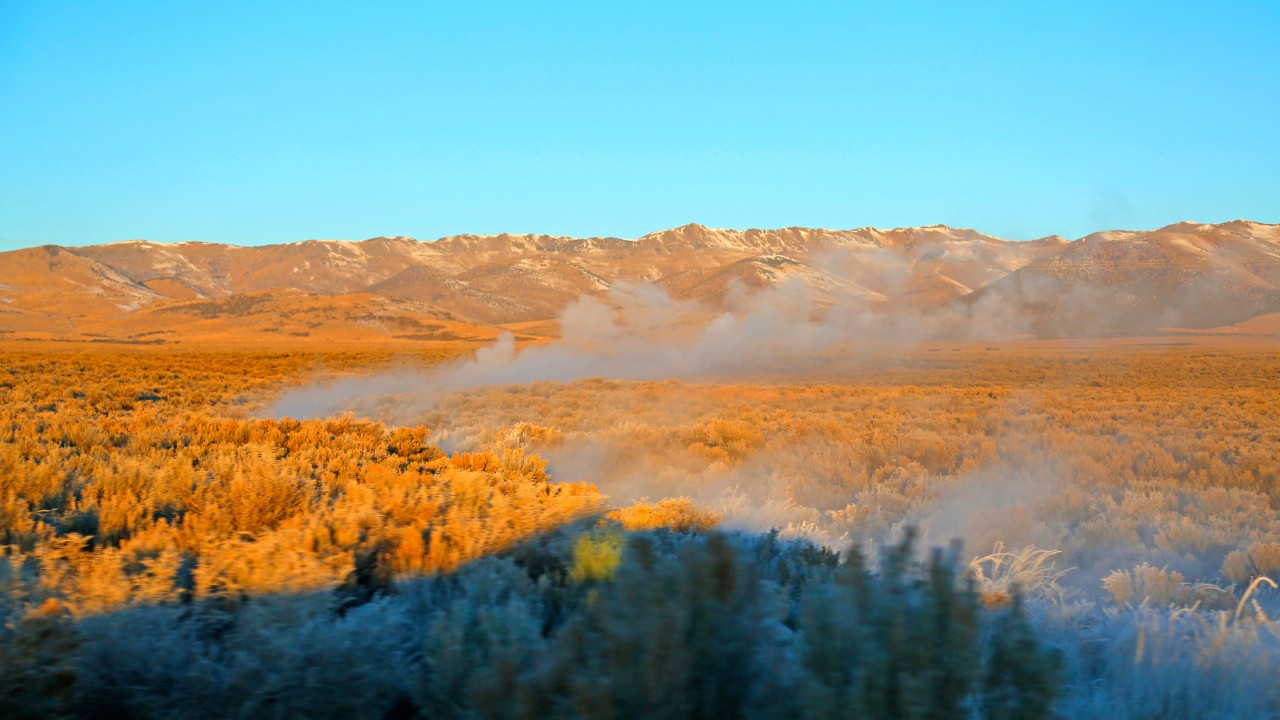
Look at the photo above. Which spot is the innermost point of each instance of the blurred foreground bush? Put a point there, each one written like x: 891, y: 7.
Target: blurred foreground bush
x: 661, y: 624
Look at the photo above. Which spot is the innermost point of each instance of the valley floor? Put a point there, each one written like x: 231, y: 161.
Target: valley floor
x: 154, y: 508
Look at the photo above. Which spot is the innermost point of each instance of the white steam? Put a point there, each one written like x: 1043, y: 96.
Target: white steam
x: 636, y: 333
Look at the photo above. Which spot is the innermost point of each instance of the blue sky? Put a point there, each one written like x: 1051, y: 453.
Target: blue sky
x: 259, y: 122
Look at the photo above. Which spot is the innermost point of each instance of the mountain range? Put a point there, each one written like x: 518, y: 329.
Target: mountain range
x: 1188, y: 275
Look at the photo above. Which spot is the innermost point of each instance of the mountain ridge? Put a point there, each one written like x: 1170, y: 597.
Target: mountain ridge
x: 692, y: 226
x: 1185, y: 274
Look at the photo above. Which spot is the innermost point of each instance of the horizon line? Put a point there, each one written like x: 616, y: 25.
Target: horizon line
x: 641, y: 237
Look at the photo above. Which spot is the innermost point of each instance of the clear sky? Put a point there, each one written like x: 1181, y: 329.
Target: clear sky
x: 262, y: 122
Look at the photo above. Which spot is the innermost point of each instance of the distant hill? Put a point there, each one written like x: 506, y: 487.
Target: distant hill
x: 1124, y: 283
x: 468, y: 286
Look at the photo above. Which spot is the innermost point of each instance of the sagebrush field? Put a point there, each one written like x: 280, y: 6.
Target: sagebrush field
x: 754, y: 547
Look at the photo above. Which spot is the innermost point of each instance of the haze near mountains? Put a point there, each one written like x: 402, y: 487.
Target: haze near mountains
x: 937, y: 281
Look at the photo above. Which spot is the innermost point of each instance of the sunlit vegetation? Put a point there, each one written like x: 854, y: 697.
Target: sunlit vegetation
x: 130, y: 479
x: 1114, y: 459
x: 1130, y: 494
x: 603, y: 549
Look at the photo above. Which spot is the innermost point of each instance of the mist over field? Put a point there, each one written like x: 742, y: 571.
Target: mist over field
x: 635, y: 333
x: 1115, y: 503
x: 641, y: 333
x: 620, y: 401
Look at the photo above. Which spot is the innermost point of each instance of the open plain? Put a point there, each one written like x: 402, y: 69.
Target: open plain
x: 161, y: 511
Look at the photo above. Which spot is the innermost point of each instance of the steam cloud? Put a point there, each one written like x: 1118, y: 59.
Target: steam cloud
x: 782, y: 333
x: 640, y: 333
x: 637, y: 333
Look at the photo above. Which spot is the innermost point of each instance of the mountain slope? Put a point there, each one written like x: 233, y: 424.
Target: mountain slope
x: 1119, y: 282
x: 1126, y: 283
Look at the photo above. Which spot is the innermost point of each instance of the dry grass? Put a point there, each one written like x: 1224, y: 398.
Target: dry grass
x: 1114, y: 460
x: 135, y: 481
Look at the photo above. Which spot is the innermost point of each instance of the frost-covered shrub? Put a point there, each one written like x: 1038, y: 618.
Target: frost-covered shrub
x: 1158, y: 587
x: 681, y: 625
x: 282, y: 657
x: 1166, y: 663
x: 913, y: 641
x: 732, y: 626
x: 1242, y: 566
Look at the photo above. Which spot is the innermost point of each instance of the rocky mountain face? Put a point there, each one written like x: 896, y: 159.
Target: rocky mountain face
x: 465, y: 286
